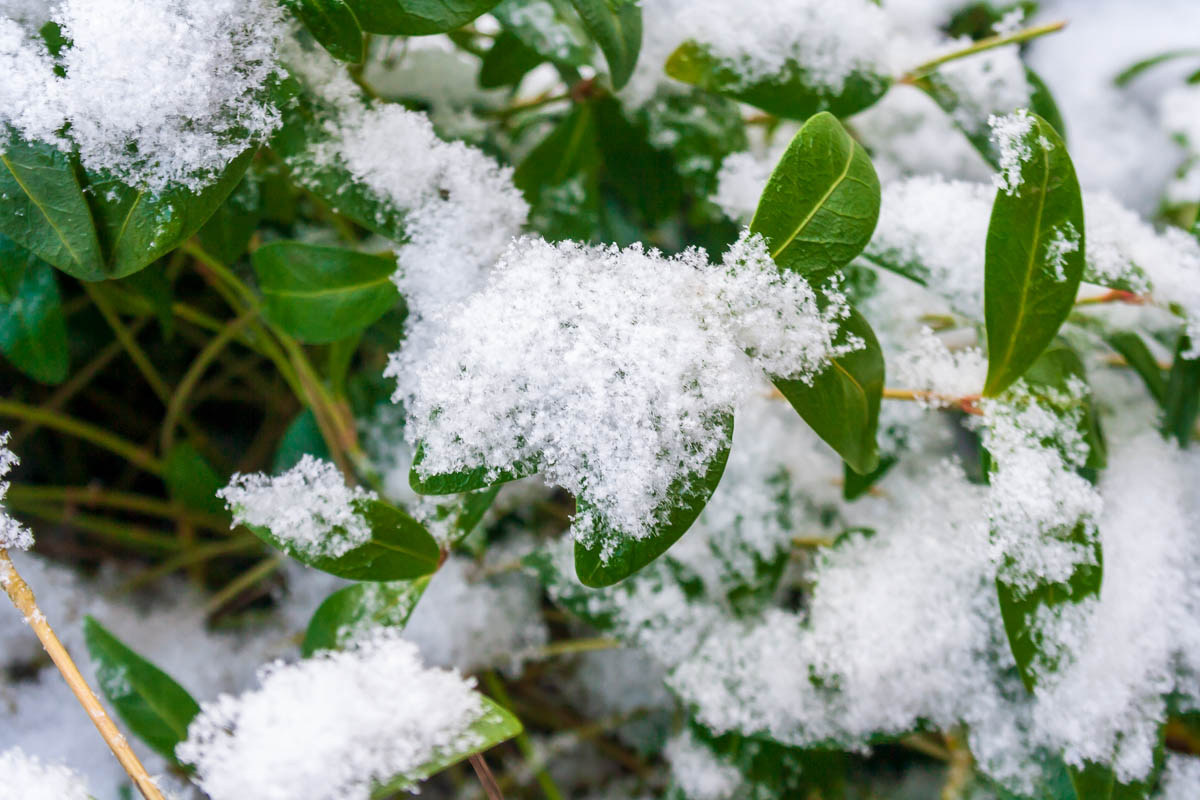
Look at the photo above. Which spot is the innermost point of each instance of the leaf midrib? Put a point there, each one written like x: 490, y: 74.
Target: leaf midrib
x: 352, y: 287
x: 816, y: 206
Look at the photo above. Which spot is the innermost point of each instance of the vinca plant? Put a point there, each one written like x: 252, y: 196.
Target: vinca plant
x: 683, y: 399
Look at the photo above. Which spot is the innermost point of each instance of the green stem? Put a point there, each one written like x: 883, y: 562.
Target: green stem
x: 192, y: 556
x: 243, y: 582
x: 136, y: 353
x: 134, y: 537
x: 982, y: 45
x: 178, y: 400
x: 500, y: 694
x: 96, y: 497
x: 83, y: 430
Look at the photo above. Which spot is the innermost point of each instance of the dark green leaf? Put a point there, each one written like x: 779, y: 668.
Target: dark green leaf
x: 1183, y: 395
x: 1138, y: 355
x: 559, y: 178
x: 820, y: 206
x: 192, y: 481
x: 417, y: 17
x: 302, y: 436
x: 322, y: 294
x: 1042, y: 103
x: 1025, y: 299
x: 399, y: 548
x: 842, y: 404
x: 466, y: 480
x: 137, y: 226
x: 333, y: 24
x: 152, y: 285
x: 43, y: 208
x: 1051, y: 378
x: 616, y: 25
x: 507, y: 61
x: 687, y: 500
x: 33, y: 330
x: 643, y: 176
x: 346, y: 611
x: 855, y: 485
x: 791, y: 94
x: 495, y: 726
x: 155, y: 707
x: 228, y: 232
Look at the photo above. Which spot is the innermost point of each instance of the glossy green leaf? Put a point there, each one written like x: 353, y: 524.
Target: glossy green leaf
x: 855, y: 485
x: 302, y: 436
x: 820, y: 205
x: 349, y: 609
x: 156, y: 708
x: 467, y: 480
x: 643, y: 176
x: 227, y: 233
x: 507, y: 61
x: 1128, y: 74
x: 43, y: 208
x: 557, y: 36
x: 495, y: 726
x: 417, y: 17
x: 616, y: 25
x: 1182, y: 401
x: 137, y: 226
x: 1030, y: 279
x: 1042, y: 103
x: 1137, y: 355
x: 791, y: 94
x: 33, y: 330
x: 399, y: 549
x: 333, y: 24
x: 842, y: 404
x: 631, y: 554
x: 321, y: 294
x: 559, y: 178
x: 192, y: 481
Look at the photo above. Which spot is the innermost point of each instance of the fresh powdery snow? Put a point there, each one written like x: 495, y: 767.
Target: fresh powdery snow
x: 613, y: 370
x: 13, y: 535
x: 332, y: 726
x: 1010, y: 135
x: 25, y: 777
x: 309, y: 507
x: 156, y: 92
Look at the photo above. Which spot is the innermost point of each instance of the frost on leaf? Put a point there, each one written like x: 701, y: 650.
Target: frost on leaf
x: 611, y: 369
x: 156, y: 92
x: 332, y: 727
x: 309, y: 507
x: 13, y: 535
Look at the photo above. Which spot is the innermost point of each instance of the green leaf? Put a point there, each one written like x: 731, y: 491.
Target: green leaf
x: 152, y: 285
x: 1127, y: 75
x: 417, y: 17
x: 643, y: 176
x: 1025, y: 300
x: 820, y: 206
x: 1133, y: 349
x: 137, y: 226
x: 1051, y: 378
x: 351, y: 608
x: 495, y: 726
x: 687, y: 500
x: 507, y: 61
x: 855, y: 485
x: 558, y: 37
x: 43, y: 208
x: 302, y: 436
x: 616, y: 25
x: 467, y: 480
x: 33, y: 330
x: 399, y: 548
x: 333, y: 24
x: 842, y: 404
x: 559, y: 178
x: 1182, y: 403
x: 1042, y: 103
x: 156, y: 708
x: 192, y: 481
x: 227, y: 233
x: 791, y: 94
x: 321, y: 294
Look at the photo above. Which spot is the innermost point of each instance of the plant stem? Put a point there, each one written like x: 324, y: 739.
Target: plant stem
x: 135, y: 537
x: 243, y: 582
x: 486, y: 778
x: 96, y: 496
x: 968, y: 404
x: 136, y: 353
x: 83, y: 430
x: 569, y: 646
x: 990, y: 43
x: 496, y: 687
x: 22, y: 597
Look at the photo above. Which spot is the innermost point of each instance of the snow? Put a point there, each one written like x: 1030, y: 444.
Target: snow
x: 611, y: 369
x: 309, y: 507
x: 332, y: 726
x: 156, y: 92
x: 28, y: 778
x: 13, y: 535
x: 1010, y: 134
x: 700, y: 773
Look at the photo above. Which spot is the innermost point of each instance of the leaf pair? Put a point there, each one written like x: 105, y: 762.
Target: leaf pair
x: 90, y: 225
